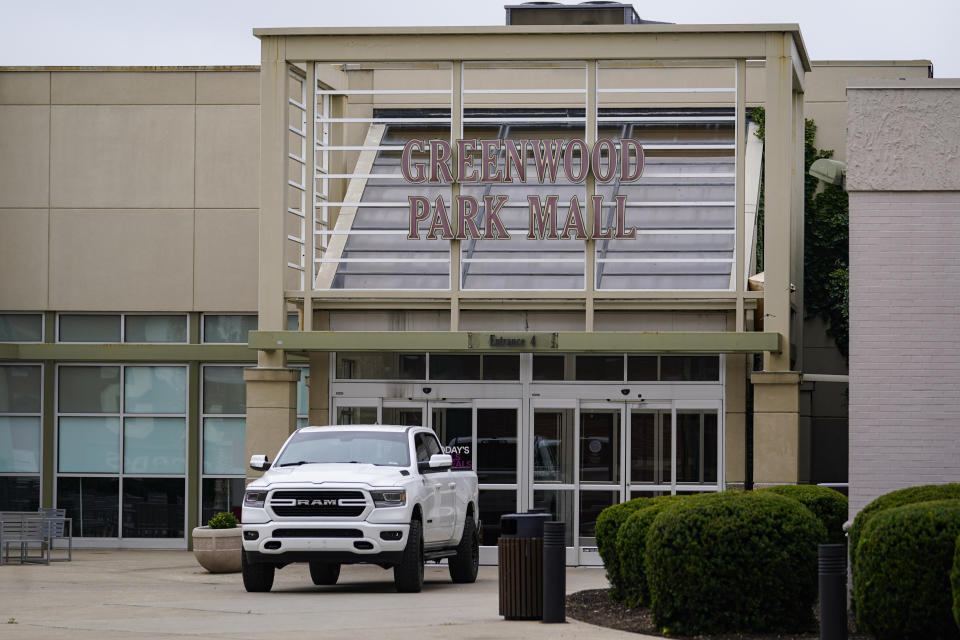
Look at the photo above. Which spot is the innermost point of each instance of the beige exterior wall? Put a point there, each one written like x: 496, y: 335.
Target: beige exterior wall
x: 129, y: 190
x: 91, y: 160
x: 826, y: 99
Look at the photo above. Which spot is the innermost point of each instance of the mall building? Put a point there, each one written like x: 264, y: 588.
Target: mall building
x: 197, y: 261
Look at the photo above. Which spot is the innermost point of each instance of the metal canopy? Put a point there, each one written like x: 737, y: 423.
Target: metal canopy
x: 515, y: 342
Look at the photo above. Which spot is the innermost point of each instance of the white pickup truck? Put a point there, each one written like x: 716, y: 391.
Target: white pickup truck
x: 377, y: 494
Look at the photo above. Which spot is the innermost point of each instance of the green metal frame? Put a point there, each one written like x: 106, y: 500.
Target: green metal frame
x: 126, y: 352
x: 473, y: 341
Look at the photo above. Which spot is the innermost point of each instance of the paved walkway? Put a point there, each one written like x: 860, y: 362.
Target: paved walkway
x: 164, y: 594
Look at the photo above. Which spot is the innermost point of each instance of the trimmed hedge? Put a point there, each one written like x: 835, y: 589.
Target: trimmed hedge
x: 733, y: 561
x: 910, y: 495
x: 955, y: 582
x: 631, y: 546
x: 829, y: 506
x: 902, y: 576
x: 605, y: 531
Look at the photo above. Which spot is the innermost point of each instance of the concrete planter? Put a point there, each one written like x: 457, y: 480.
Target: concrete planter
x: 217, y: 550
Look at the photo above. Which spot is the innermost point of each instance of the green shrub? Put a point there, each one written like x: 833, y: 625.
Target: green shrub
x: 733, y: 561
x: 910, y: 495
x: 631, y: 546
x: 902, y: 577
x: 222, y: 520
x: 955, y: 581
x: 829, y: 506
x: 608, y: 523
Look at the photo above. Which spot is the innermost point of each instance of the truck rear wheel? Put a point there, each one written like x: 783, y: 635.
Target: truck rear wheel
x: 464, y: 566
x: 408, y: 575
x: 324, y: 572
x: 256, y: 577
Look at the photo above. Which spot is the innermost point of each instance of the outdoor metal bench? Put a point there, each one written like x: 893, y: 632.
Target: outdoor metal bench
x: 34, y: 530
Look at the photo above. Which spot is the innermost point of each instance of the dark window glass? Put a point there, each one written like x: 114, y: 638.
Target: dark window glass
x: 92, y: 503
x: 21, y: 327
x: 356, y: 415
x: 406, y: 416
x: 221, y: 494
x: 591, y: 504
x: 642, y: 368
x: 690, y: 368
x: 224, y: 390
x: 455, y: 367
x: 559, y: 504
x: 599, y: 446
x: 20, y: 389
x: 604, y: 368
x: 709, y: 447
x: 381, y: 366
x: 427, y: 446
x: 548, y: 367
x: 232, y: 328
x: 501, y: 367
x: 155, y: 329
x: 89, y: 389
x: 642, y: 446
x: 93, y: 328
x: 153, y: 507
x: 493, y: 504
x: 454, y: 428
x: 497, y: 446
x: 688, y: 447
x: 19, y: 493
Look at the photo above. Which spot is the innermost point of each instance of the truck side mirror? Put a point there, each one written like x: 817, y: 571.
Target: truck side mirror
x: 259, y: 463
x: 437, y: 462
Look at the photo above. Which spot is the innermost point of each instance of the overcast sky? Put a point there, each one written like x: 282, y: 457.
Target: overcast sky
x: 216, y: 32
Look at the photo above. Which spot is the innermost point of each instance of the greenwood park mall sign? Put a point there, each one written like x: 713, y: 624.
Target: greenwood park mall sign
x: 477, y: 162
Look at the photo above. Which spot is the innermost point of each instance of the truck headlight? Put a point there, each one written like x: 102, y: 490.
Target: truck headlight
x: 391, y: 498
x: 254, y: 499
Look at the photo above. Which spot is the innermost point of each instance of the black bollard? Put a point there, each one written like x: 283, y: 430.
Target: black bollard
x: 554, y: 573
x: 833, y: 591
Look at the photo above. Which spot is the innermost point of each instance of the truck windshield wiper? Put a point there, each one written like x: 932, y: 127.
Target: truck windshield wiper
x: 294, y: 464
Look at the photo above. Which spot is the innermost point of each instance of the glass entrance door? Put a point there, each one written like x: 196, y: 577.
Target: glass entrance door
x: 600, y: 477
x: 552, y: 463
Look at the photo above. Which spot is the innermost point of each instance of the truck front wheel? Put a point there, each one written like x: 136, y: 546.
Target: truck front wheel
x: 463, y: 566
x: 408, y: 575
x: 256, y: 577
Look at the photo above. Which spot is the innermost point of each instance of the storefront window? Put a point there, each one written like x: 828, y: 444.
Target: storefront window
x: 224, y: 419
x: 88, y: 328
x: 381, y: 366
x: 157, y: 329
x: 228, y: 328
x: 116, y: 424
x: 21, y: 327
x: 20, y: 437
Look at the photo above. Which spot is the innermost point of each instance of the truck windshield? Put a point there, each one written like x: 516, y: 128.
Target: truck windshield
x: 360, y: 447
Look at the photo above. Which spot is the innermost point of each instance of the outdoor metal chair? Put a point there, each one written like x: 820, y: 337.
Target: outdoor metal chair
x: 58, y: 527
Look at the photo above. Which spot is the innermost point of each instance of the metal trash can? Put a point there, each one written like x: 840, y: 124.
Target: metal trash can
x: 520, y: 559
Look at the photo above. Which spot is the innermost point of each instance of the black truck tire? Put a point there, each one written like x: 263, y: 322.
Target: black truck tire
x: 464, y: 566
x: 408, y: 575
x: 258, y: 577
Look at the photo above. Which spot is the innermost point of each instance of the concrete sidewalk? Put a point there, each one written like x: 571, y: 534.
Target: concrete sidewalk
x: 165, y: 594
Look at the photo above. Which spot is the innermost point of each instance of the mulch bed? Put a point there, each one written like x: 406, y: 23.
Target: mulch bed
x: 595, y: 607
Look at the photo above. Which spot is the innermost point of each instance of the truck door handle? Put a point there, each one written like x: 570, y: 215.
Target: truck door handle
x: 452, y: 485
